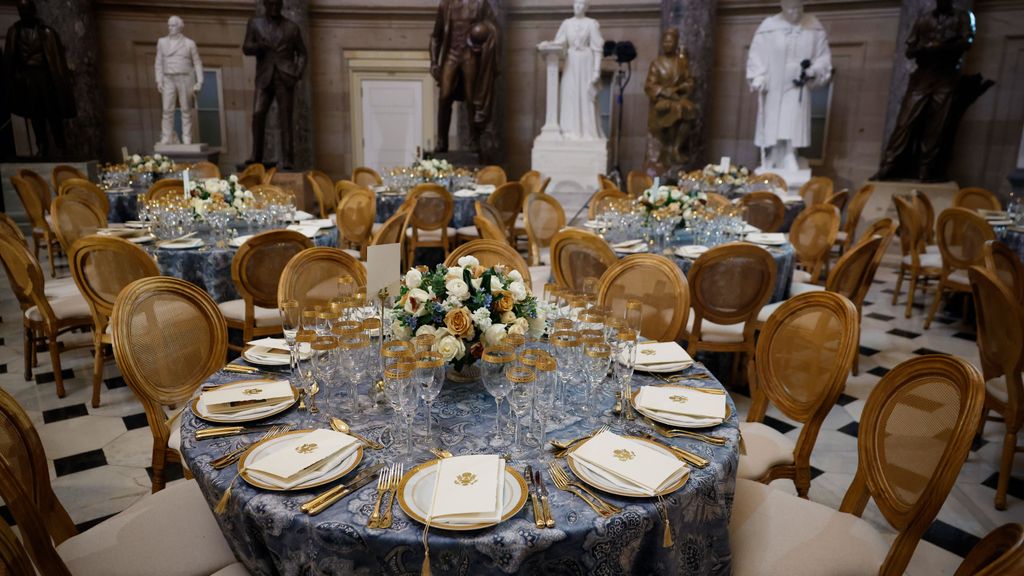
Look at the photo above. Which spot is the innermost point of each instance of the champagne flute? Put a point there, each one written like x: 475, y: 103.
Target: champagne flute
x: 353, y: 354
x: 566, y: 344
x: 625, y: 363
x: 495, y: 360
x: 634, y: 315
x: 520, y: 394
x: 290, y: 322
x: 325, y: 363
x: 395, y: 377
x: 544, y: 393
x: 429, y: 375
x: 596, y: 356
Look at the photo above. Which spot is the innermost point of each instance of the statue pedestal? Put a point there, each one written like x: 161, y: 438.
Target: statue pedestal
x: 880, y: 205
x: 573, y: 166
x: 188, y: 153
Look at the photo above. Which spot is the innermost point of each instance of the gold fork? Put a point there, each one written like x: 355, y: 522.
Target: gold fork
x: 396, y: 479
x: 563, y: 447
x: 233, y: 456
x: 563, y: 482
x: 383, y: 482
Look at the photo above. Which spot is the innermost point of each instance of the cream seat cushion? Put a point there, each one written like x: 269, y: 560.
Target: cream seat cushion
x: 766, y: 447
x: 795, y: 289
x: 960, y: 277
x: 431, y: 235
x: 467, y: 232
x: 235, y: 310
x: 773, y: 533
x: 717, y: 333
x: 60, y: 288
x: 801, y: 275
x: 376, y: 227
x: 172, y: 532
x: 841, y: 237
x: 996, y: 388
x: 353, y: 253
x: 928, y: 260
x: 63, y: 308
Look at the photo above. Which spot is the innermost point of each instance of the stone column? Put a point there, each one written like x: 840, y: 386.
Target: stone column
x: 551, y: 129
x: 695, y: 20
x: 75, y: 22
x: 901, y: 65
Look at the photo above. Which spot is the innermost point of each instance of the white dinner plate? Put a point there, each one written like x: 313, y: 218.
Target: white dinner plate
x: 237, y: 241
x: 1003, y: 222
x: 634, y: 249
x: 766, y: 239
x: 136, y: 224
x: 144, y: 239
x: 693, y: 251
x: 663, y: 368
x: 327, y: 472
x: 199, y: 407
x: 598, y: 479
x: 416, y: 491
x: 263, y: 357
x: 678, y: 420
x: 594, y: 225
x: 186, y: 244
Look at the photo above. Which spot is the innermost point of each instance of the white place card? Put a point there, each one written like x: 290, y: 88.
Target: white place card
x: 383, y: 269
x: 682, y: 401
x: 304, y: 452
x: 469, y: 488
x: 634, y: 462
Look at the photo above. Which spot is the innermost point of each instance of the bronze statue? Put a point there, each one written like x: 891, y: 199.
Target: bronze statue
x: 668, y: 87
x: 464, y: 62
x: 937, y: 96
x: 37, y: 78
x: 276, y: 42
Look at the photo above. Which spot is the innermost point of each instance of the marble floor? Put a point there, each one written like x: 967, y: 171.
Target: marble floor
x: 99, y: 457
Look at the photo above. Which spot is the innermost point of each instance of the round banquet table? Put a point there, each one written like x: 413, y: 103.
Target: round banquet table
x: 270, y: 535
x: 1014, y: 238
x: 462, y: 212
x: 209, y: 267
x: 793, y: 209
x: 124, y: 204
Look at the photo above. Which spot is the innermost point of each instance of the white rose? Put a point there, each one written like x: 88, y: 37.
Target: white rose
x: 400, y: 331
x: 450, y: 348
x: 477, y: 283
x: 415, y: 302
x: 515, y: 276
x: 496, y: 284
x: 675, y: 193
x: 482, y: 319
x: 468, y: 261
x: 233, y: 178
x: 413, y: 279
x: 518, y: 290
x: 136, y: 158
x: 453, y: 273
x: 426, y: 329
x: 520, y: 326
x: 457, y: 289
x: 493, y: 335
x: 508, y: 317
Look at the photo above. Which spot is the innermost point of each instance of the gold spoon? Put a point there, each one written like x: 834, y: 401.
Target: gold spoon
x: 343, y: 427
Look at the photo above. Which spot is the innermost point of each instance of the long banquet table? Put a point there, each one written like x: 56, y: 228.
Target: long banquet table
x: 270, y: 535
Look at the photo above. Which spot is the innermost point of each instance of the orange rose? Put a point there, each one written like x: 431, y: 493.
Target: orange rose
x: 503, y: 300
x: 459, y: 322
x: 478, y: 271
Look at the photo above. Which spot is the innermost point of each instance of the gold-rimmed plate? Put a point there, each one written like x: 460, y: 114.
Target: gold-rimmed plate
x: 329, y: 471
x: 597, y: 481
x: 199, y: 408
x: 676, y: 420
x: 417, y: 489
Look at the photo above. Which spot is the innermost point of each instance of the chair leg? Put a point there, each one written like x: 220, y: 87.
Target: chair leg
x: 97, y: 374
x: 49, y: 252
x: 802, y: 481
x: 911, y: 292
x: 159, y: 462
x: 58, y: 378
x: 29, y: 351
x: 1005, y: 466
x: 935, y: 305
x: 899, y: 284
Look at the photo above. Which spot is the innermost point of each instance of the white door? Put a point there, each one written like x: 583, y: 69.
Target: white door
x: 392, y: 122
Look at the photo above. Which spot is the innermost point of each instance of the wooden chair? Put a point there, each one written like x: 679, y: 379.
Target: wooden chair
x: 765, y: 210
x: 491, y: 253
x: 655, y: 281
x: 961, y: 234
x: 602, y: 201
x: 311, y: 276
x: 87, y: 191
x: 43, y: 319
x: 250, y: 181
x: 355, y: 216
x: 147, y: 537
x: 1000, y: 552
x: 577, y: 254
x: 204, y: 169
x: 839, y: 200
x: 268, y: 176
x: 487, y: 229
x: 1001, y: 348
x: 267, y: 193
x: 166, y: 188
x: 324, y: 190
x: 14, y: 559
x: 534, y: 183
x: 543, y: 217
x: 716, y: 201
x: 432, y: 208
x: 803, y: 355
x: 392, y: 231
x: 39, y: 185
x: 10, y: 228
x: 926, y: 214
x: 169, y: 336
x: 637, y: 182
x: 1002, y: 261
x: 908, y: 460
x: 255, y: 169
x: 366, y: 177
x: 817, y: 190
x: 975, y: 199
x: 606, y: 183
x: 916, y: 262
x: 854, y: 209
x: 508, y: 199
x: 37, y: 216
x: 773, y: 182
x: 812, y: 235
x: 256, y: 271
x: 728, y: 286
x: 74, y: 218
x: 343, y: 187
x: 62, y: 172
x: 496, y: 228
x: 491, y: 175
x: 102, y: 266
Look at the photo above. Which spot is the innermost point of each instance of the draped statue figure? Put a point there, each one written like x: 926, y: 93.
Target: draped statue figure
x: 581, y: 37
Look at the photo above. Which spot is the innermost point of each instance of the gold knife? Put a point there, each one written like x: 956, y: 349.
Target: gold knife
x: 688, y: 457
x: 538, y: 513
x: 222, y: 431
x: 549, y: 520
x: 321, y: 502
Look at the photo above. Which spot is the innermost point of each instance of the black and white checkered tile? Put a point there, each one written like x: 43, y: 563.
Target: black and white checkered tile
x: 99, y: 457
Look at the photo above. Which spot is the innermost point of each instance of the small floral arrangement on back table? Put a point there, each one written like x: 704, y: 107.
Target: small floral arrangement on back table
x: 211, y: 194
x: 433, y: 169
x: 660, y: 200
x: 157, y: 163
x: 465, y: 308
x: 731, y: 178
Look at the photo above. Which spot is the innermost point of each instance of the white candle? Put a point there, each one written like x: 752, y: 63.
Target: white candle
x: 186, y: 183
x: 124, y: 154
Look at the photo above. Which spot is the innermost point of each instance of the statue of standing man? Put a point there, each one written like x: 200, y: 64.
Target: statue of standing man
x: 179, y: 75
x: 280, y: 53
x: 464, y: 62
x: 671, y: 115
x: 789, y: 55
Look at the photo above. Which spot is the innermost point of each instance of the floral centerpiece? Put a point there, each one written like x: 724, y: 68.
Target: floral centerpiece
x: 213, y: 194
x: 725, y: 180
x: 670, y: 201
x: 433, y: 169
x: 465, y: 308
x: 155, y: 164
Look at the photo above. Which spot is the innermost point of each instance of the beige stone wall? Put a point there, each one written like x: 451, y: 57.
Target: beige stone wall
x: 862, y: 35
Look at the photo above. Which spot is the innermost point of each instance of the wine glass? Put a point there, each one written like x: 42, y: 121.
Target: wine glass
x: 303, y: 344
x: 495, y: 360
x: 346, y: 286
x: 634, y: 315
x: 290, y: 318
x: 353, y: 356
x: 590, y: 286
x: 544, y: 393
x: 423, y: 343
x: 566, y: 344
x: 624, y: 347
x: 596, y: 356
x: 429, y: 376
x: 520, y: 394
x: 397, y: 379
x: 308, y: 319
x: 325, y: 364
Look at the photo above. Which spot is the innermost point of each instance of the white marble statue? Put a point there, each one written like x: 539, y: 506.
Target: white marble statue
x: 789, y: 55
x: 581, y: 38
x: 179, y: 76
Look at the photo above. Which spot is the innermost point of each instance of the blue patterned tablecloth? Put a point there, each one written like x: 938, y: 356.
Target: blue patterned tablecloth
x: 209, y: 267
x: 462, y: 213
x: 124, y: 206
x: 270, y: 535
x: 793, y: 209
x: 1014, y: 238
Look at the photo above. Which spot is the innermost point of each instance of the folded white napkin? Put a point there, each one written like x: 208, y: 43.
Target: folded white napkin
x: 629, y: 463
x: 791, y: 198
x: 634, y: 249
x: 307, y: 231
x: 484, y: 188
x: 661, y: 353
x: 276, y: 346
x: 749, y: 229
x: 301, y: 458
x: 237, y: 241
x: 681, y: 401
x: 232, y: 399
x: 320, y: 223
x: 693, y: 251
x: 469, y: 489
x: 464, y: 193
x: 1001, y: 222
x: 301, y: 215
x: 627, y: 243
x: 767, y: 238
x: 183, y: 243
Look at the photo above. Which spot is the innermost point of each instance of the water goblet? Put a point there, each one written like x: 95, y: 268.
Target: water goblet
x: 520, y: 395
x: 544, y: 394
x: 353, y: 355
x: 429, y: 376
x: 596, y: 357
x: 495, y: 360
x: 290, y: 322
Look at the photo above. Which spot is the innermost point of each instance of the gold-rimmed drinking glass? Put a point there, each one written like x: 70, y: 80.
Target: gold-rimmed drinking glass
x: 291, y: 318
x: 566, y: 346
x: 515, y: 341
x: 544, y: 397
x: 325, y: 363
x: 397, y: 389
x: 590, y: 286
x: 520, y: 397
x: 494, y: 361
x: 346, y: 285
x: 423, y: 343
x: 596, y: 357
x: 304, y: 341
x: 429, y: 376
x: 309, y: 317
x: 354, y: 353
x: 634, y: 315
